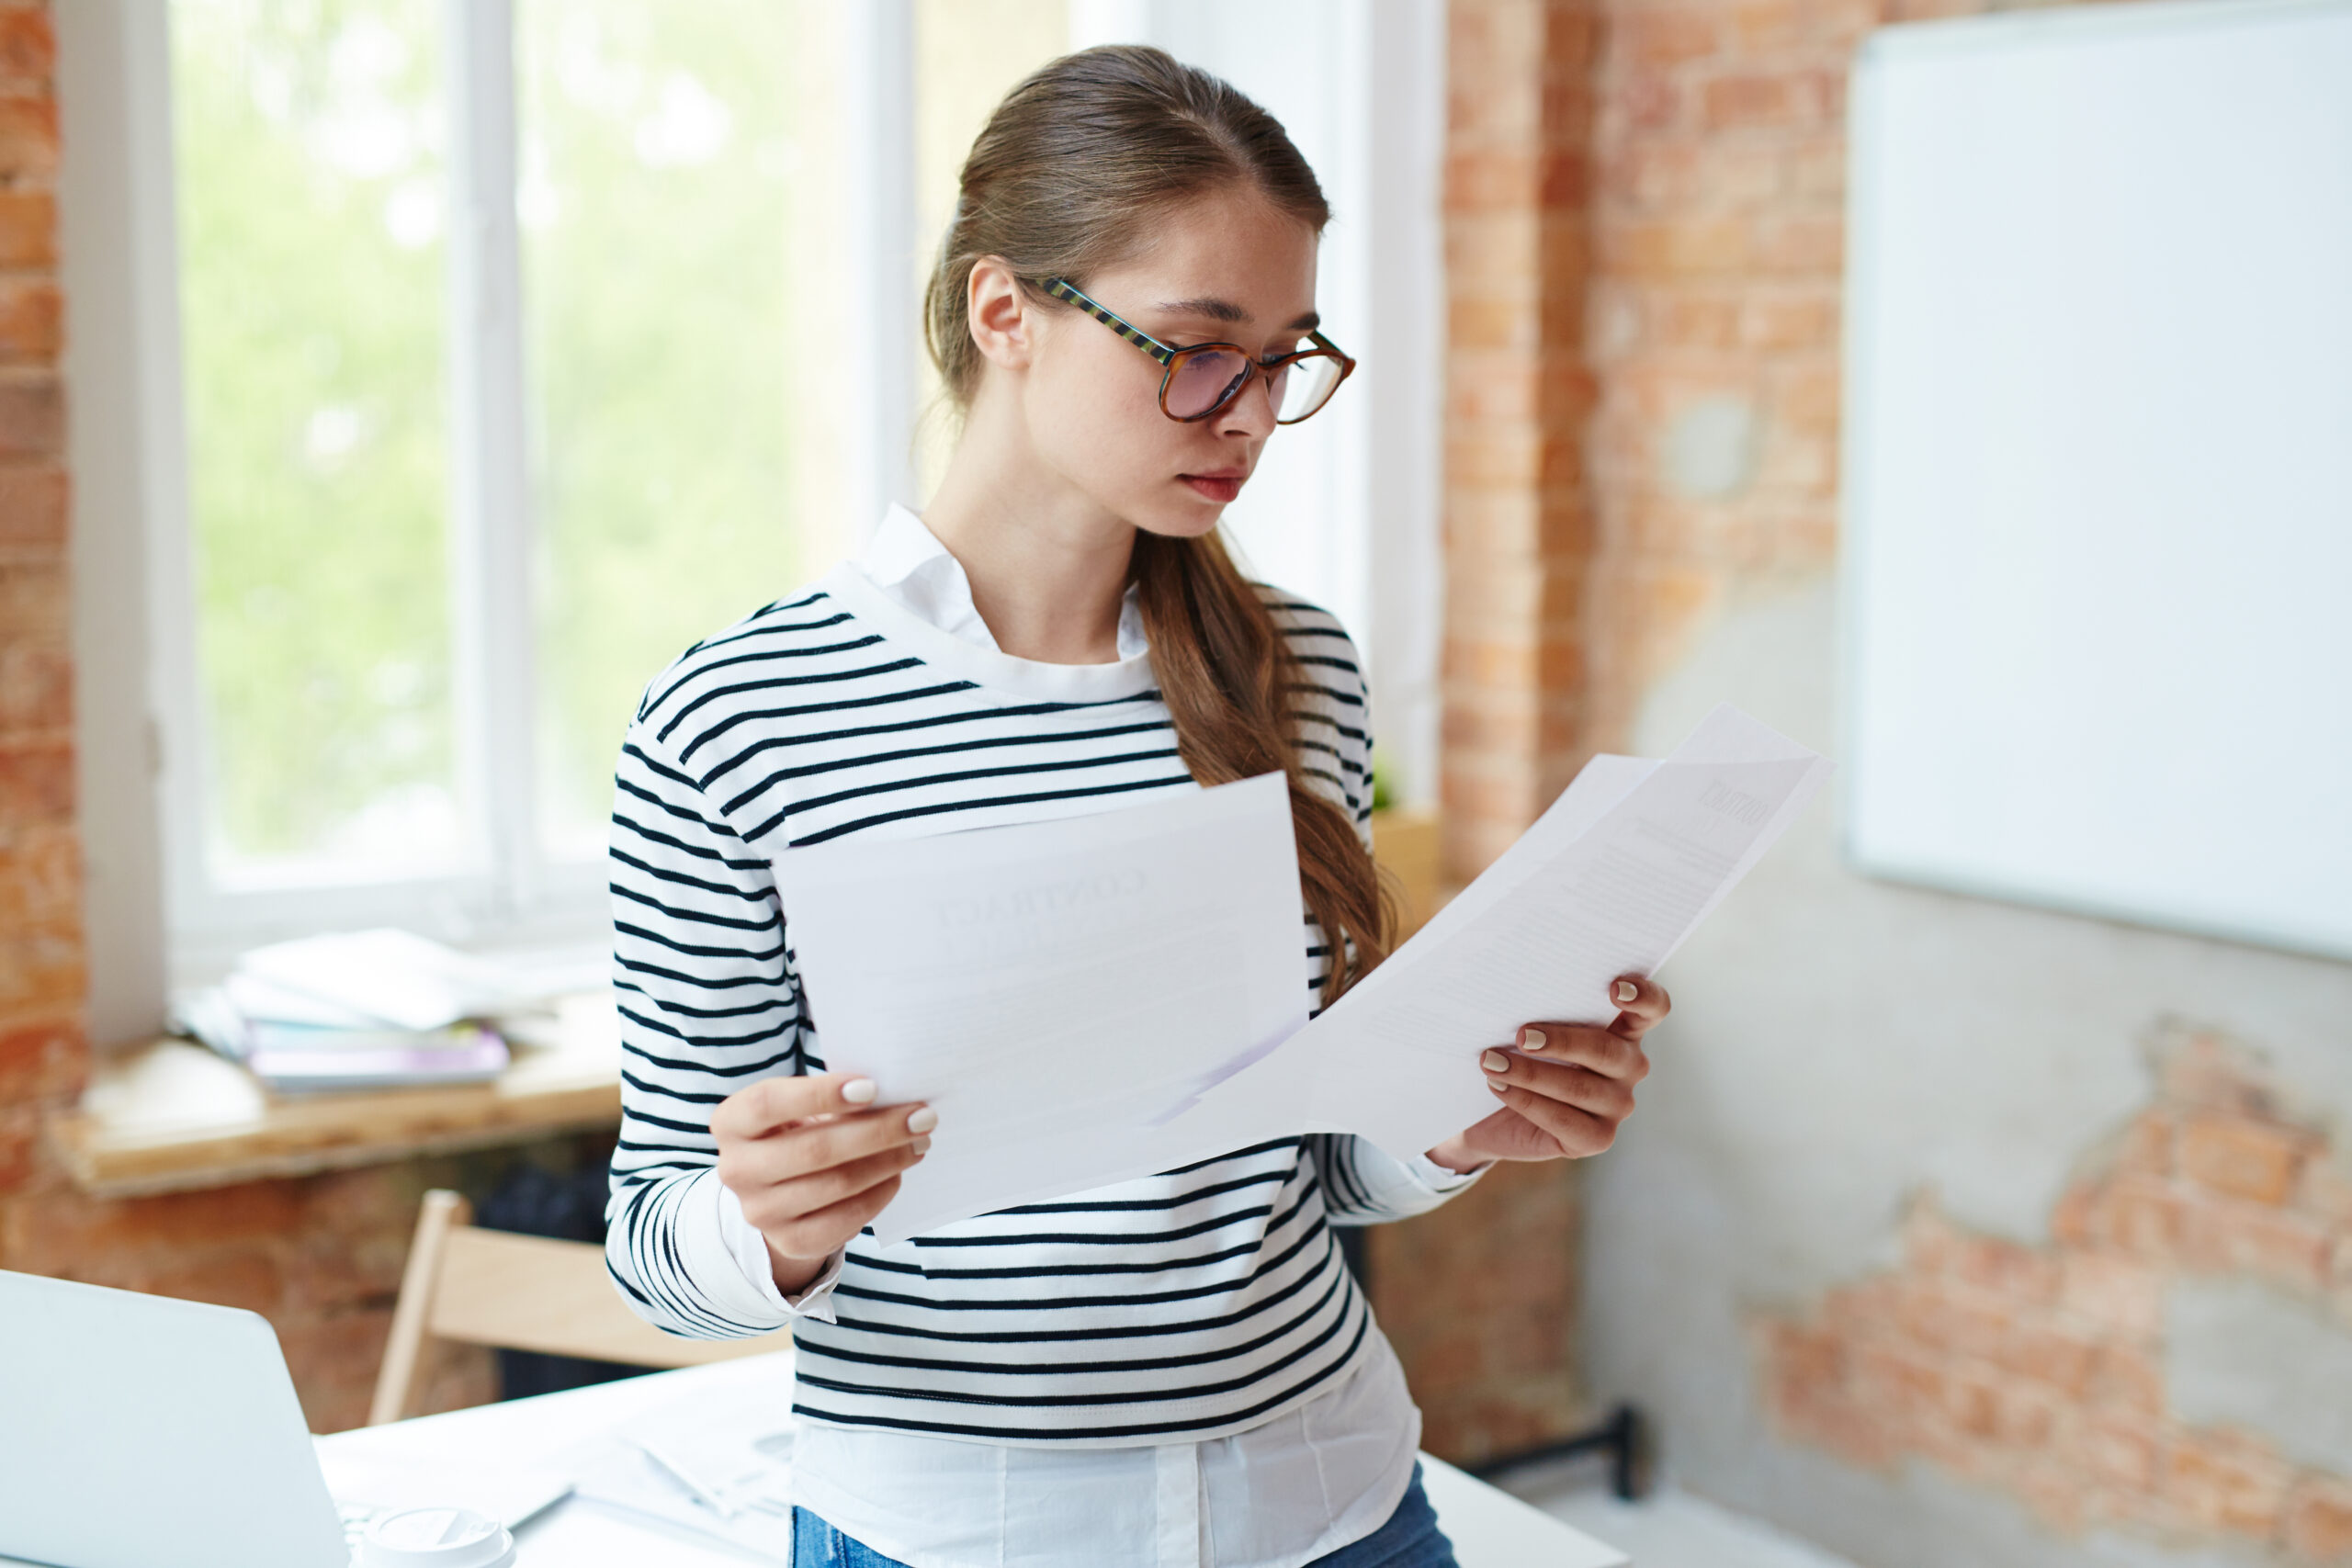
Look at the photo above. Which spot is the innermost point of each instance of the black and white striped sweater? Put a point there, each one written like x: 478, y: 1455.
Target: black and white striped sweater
x: 1176, y: 1308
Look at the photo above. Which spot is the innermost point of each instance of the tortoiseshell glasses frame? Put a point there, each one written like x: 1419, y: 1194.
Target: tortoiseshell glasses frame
x: 1200, y: 379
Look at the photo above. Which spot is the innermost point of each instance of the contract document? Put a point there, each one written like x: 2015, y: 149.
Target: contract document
x: 1100, y: 998
x: 1609, y: 881
x: 1059, y: 992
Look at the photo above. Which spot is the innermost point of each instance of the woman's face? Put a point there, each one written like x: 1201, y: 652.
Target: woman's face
x: 1224, y: 268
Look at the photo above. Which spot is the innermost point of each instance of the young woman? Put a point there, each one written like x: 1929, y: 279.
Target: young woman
x: 1174, y: 1370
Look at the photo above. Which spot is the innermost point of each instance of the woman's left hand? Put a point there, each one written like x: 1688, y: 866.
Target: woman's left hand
x: 1565, y: 1086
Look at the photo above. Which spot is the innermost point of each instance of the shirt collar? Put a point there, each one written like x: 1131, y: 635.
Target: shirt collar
x: 905, y: 561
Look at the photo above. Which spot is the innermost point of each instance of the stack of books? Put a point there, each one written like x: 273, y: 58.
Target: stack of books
x: 359, y: 1010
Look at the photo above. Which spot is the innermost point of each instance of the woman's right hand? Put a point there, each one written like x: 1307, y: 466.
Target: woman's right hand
x: 813, y: 1159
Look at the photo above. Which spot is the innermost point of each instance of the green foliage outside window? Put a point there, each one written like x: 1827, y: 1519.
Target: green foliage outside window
x: 309, y: 209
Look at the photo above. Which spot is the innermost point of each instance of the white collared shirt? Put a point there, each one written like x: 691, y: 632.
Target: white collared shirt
x: 1279, y: 1495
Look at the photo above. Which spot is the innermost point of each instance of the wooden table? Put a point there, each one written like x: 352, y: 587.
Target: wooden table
x: 1489, y: 1529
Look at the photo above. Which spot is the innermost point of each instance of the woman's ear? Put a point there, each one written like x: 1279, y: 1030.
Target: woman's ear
x: 1000, y: 314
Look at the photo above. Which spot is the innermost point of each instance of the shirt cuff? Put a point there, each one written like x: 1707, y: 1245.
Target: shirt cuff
x: 1441, y: 1180
x: 748, y: 1265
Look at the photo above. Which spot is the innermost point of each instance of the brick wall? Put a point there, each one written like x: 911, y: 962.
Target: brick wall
x: 1480, y: 1297
x: 2041, y: 1371
x: 1717, y: 214
x: 41, y: 1050
x: 1644, y: 231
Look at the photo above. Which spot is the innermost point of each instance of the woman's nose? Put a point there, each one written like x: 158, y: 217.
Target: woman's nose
x: 1252, y: 412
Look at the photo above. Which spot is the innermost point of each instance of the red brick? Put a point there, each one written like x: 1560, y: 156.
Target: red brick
x: 2128, y: 1379
x: 2319, y: 1521
x: 32, y: 413
x: 2120, y: 1451
x: 2218, y: 1484
x: 2112, y: 1293
x: 41, y: 879
x: 1900, y: 1386
x: 27, y: 46
x: 1962, y: 1325
x: 1653, y: 177
x: 1668, y: 38
x: 1815, y: 171
x: 247, y: 1278
x: 2219, y: 1237
x: 2244, y: 1157
x: 1690, y: 321
x: 32, y: 506
x: 20, y: 1163
x: 2062, y: 1361
x: 1675, y: 247
x: 37, y: 781
x: 1802, y: 245
x: 27, y: 228
x: 334, y: 1360
x: 74, y: 1225
x: 1790, y: 321
x: 1650, y: 101
x: 1804, y: 98
x: 1802, y: 464
x: 45, y: 1059
x: 2077, y: 1219
x: 2144, y: 1217
x: 2147, y: 1144
x: 2019, y: 1275
x: 1805, y: 396
x: 36, y: 689
x: 27, y: 139
x: 41, y: 972
x: 32, y: 316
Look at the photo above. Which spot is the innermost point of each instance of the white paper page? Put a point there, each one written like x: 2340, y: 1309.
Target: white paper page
x: 1612, y: 880
x: 1057, y: 991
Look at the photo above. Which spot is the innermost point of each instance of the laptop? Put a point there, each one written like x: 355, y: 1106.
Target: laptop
x: 138, y: 1430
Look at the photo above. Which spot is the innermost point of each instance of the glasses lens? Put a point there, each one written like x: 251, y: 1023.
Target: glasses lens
x: 1201, y: 381
x: 1310, y: 385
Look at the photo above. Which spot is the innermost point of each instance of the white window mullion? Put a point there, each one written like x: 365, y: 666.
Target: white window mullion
x: 878, y: 102
x: 490, y: 519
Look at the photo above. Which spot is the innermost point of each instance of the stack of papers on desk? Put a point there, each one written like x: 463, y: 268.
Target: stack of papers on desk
x: 1100, y: 997
x: 358, y: 1010
x: 713, y: 1464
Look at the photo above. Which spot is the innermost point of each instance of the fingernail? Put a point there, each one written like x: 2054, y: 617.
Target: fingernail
x: 1628, y: 992
x: 923, y: 1147
x: 1531, y: 1039
x: 1498, y: 1087
x: 859, y: 1091
x: 1495, y: 1062
x: 922, y: 1120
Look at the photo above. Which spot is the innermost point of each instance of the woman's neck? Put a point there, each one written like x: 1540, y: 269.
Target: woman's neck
x: 1047, y: 566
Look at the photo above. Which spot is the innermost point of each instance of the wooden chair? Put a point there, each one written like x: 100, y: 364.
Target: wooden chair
x: 520, y: 1292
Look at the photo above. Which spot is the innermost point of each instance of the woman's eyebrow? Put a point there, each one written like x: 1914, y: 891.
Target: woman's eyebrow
x: 1218, y: 310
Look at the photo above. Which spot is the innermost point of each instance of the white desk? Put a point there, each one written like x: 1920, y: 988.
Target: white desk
x: 1489, y: 1529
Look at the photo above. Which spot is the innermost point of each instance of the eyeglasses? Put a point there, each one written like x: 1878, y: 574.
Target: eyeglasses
x: 1204, y: 378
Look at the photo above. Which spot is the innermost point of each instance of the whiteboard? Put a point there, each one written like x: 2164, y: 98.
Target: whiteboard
x: 2097, y: 477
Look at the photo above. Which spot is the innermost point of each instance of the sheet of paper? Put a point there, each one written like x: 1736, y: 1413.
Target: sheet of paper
x: 1622, y: 868
x: 1062, y: 993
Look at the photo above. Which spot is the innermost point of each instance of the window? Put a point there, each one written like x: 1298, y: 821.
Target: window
x: 488, y: 352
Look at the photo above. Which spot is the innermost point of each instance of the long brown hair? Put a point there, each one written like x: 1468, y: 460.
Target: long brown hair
x: 1064, y: 180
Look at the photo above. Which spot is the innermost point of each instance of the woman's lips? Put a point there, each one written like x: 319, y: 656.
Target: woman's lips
x: 1214, y: 486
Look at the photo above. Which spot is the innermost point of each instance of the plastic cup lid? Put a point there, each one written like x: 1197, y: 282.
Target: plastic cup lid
x: 436, y: 1538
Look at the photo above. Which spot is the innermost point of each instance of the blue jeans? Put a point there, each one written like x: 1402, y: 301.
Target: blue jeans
x: 1409, y: 1540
